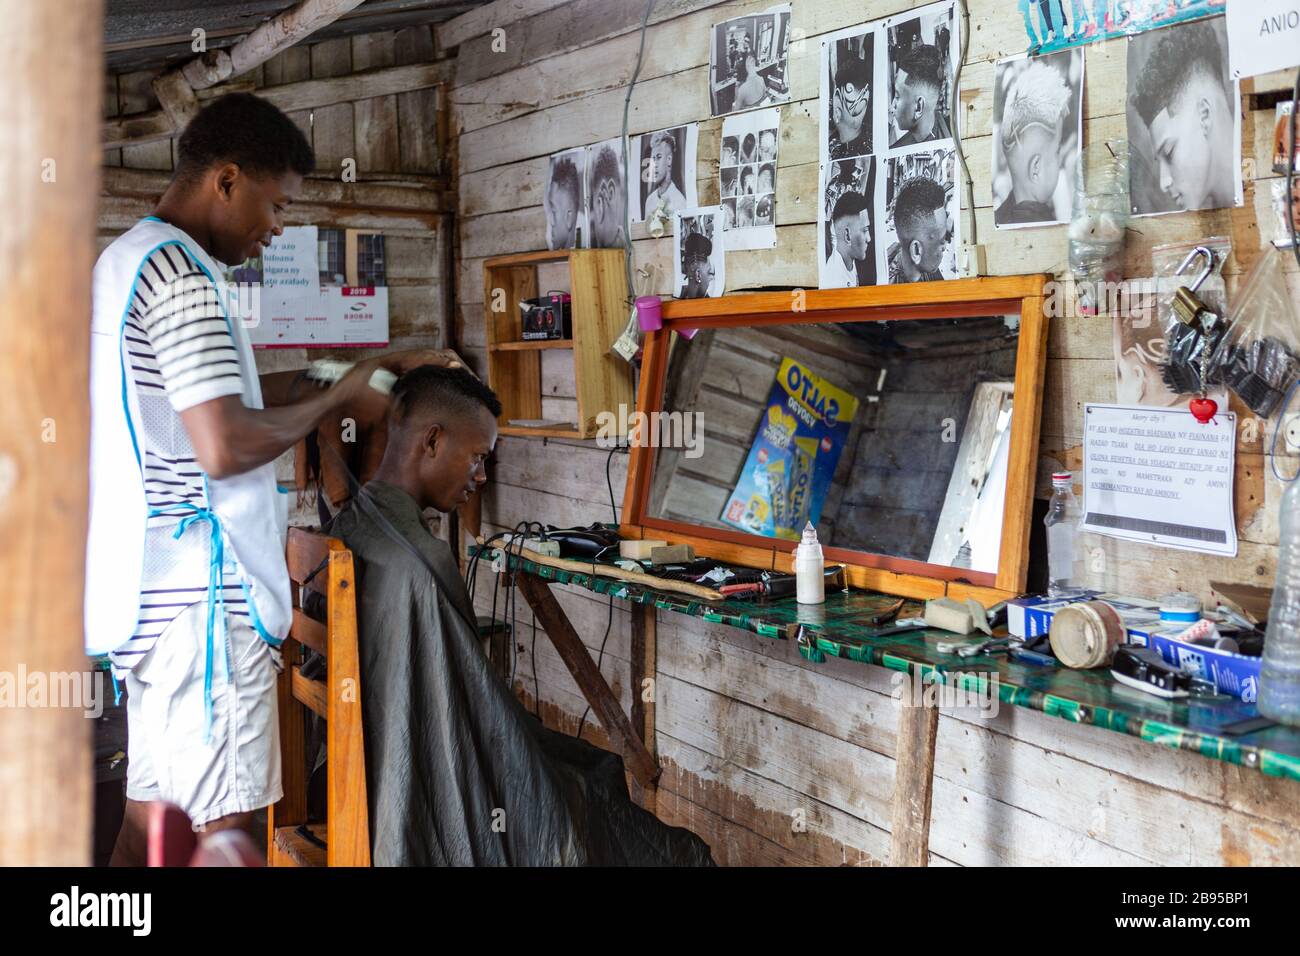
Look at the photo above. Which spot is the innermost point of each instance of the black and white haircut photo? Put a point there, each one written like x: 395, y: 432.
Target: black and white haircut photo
x: 663, y: 163
x: 563, y: 199
x: 1037, y: 128
x: 1184, y: 120
x: 848, y: 249
x: 698, y: 258
x: 920, y: 74
x: 922, y: 220
x: 748, y: 61
x: 850, y: 113
x: 606, y: 195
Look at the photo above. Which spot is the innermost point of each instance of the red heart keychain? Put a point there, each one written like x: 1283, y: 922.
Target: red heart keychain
x: 1203, y: 408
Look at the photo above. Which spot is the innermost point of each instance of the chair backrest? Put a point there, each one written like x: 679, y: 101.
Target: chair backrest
x: 321, y: 567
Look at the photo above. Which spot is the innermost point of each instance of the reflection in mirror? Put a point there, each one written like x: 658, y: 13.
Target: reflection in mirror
x: 891, y: 437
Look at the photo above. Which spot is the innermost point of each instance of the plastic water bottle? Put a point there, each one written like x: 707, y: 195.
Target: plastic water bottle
x: 1062, y: 537
x: 1279, y: 677
x: 809, y: 567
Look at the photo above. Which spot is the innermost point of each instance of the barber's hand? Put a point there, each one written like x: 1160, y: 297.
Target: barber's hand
x: 355, y: 397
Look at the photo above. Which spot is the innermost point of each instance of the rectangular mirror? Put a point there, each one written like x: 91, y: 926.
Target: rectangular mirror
x: 904, y: 430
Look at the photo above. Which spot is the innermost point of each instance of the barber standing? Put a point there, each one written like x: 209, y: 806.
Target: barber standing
x: 186, y: 583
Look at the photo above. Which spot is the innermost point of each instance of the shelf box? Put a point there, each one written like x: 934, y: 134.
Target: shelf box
x: 602, y: 380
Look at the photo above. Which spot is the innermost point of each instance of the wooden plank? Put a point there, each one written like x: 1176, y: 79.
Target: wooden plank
x: 376, y: 134
x: 347, y: 804
x: 918, y: 726
x: 50, y: 70
x: 644, y: 673
x: 487, y: 18
x: 583, y: 668
x: 135, y: 95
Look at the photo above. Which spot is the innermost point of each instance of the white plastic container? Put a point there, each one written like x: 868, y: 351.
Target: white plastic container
x: 809, y: 568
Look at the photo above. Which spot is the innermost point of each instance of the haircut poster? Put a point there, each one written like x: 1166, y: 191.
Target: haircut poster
x: 889, y: 209
x: 794, y: 454
x: 1056, y: 24
x: 747, y: 178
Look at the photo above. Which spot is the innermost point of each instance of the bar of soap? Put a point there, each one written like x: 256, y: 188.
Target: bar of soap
x: 638, y: 549
x: 949, y: 615
x: 672, y: 554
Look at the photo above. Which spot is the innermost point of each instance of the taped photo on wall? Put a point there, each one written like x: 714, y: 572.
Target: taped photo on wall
x: 919, y: 71
x: 747, y: 168
x: 1184, y: 120
x: 606, y: 195
x: 1037, y: 129
x: 699, y: 266
x: 923, y: 216
x: 663, y: 166
x: 563, y: 199
x: 748, y: 61
x: 849, y: 65
x: 846, y: 238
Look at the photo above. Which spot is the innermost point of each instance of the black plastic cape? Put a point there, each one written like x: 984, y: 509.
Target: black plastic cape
x: 458, y: 772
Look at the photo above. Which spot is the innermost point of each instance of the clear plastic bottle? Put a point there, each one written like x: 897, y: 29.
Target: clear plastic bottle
x: 809, y: 567
x: 1062, y: 522
x: 1279, y: 678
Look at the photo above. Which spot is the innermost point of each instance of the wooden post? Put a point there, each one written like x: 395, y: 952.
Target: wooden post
x: 51, y: 72
x: 918, y: 726
x: 644, y: 667
x: 625, y: 739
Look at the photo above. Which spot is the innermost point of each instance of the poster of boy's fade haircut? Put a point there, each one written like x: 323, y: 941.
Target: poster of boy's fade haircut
x: 922, y: 220
x: 663, y: 166
x: 699, y: 267
x: 1055, y: 24
x: 748, y: 61
x: 563, y: 199
x: 1184, y: 120
x: 885, y: 109
x: 747, y: 178
x: 1037, y: 128
x: 793, y: 456
x: 606, y: 195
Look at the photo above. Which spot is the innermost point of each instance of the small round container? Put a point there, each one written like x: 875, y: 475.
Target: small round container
x: 1179, y: 608
x: 648, y: 313
x: 1086, y: 634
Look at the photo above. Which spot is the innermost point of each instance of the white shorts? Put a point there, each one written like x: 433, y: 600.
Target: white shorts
x: 237, y: 769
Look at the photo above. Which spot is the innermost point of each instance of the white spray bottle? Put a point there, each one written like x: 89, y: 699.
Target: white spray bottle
x: 809, y: 567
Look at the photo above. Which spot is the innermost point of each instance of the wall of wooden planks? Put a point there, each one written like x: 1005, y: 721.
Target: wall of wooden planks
x: 770, y: 758
x: 401, y: 190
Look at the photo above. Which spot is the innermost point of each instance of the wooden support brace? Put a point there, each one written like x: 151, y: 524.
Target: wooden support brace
x: 587, y: 676
x: 918, y: 726
x: 177, y: 98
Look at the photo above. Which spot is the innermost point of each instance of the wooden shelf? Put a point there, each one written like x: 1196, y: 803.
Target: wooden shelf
x: 541, y: 431
x: 602, y: 382
x: 530, y: 345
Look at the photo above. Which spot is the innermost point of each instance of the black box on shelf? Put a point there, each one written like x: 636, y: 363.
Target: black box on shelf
x: 547, y: 317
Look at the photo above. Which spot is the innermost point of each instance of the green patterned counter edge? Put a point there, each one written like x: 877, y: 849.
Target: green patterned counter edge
x: 775, y: 620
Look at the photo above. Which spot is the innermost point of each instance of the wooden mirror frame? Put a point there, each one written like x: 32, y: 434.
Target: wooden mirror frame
x: 957, y: 298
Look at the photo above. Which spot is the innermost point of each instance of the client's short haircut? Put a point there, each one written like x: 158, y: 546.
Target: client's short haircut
x: 248, y: 131
x: 1179, y: 55
x: 1038, y: 97
x: 917, y: 201
x: 433, y: 389
x: 850, y: 204
x: 923, y: 64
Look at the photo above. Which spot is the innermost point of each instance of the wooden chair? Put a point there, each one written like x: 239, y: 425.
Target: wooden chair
x: 321, y: 566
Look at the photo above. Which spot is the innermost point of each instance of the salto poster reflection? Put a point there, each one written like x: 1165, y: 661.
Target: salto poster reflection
x: 793, y: 457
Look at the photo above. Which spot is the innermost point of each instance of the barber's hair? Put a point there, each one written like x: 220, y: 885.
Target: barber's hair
x: 606, y: 166
x: 1180, y: 54
x: 851, y: 68
x: 248, y: 131
x: 1038, y: 95
x: 850, y: 204
x: 434, y: 389
x: 917, y: 200
x: 923, y: 64
x: 564, y: 175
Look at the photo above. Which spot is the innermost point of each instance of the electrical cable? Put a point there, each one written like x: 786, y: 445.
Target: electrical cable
x: 955, y: 115
x: 627, y: 187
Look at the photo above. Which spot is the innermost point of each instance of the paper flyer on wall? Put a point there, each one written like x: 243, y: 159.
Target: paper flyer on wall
x: 663, y: 165
x: 748, y: 59
x: 889, y: 210
x: 792, y: 460
x: 747, y: 178
x: 1159, y: 476
x: 1047, y: 26
x: 326, y: 317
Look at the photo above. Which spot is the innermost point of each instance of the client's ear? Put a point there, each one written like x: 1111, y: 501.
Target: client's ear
x: 432, y: 437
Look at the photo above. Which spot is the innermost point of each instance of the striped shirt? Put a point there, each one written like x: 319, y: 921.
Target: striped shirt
x: 179, y: 353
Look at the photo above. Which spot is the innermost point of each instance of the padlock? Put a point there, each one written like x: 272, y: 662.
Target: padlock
x: 1188, y: 307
